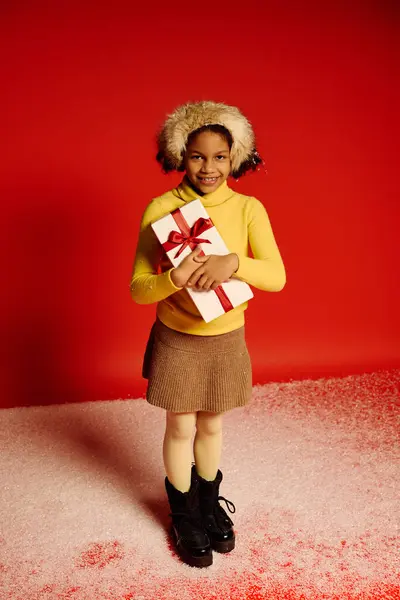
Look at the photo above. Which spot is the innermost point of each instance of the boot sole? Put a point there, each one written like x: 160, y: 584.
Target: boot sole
x: 199, y: 562
x: 223, y: 547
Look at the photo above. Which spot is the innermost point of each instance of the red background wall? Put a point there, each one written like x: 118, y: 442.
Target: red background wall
x: 83, y: 93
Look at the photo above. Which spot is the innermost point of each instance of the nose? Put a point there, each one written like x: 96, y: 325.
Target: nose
x: 207, y: 165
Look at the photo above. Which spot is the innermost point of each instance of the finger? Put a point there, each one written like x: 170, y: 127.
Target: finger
x: 209, y: 283
x: 201, y: 259
x: 190, y: 257
x: 193, y: 279
x: 202, y: 281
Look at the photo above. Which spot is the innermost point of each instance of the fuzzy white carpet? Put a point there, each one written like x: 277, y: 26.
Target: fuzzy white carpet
x: 313, y: 468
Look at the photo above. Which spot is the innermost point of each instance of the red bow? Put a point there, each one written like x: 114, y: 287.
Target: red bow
x: 187, y: 236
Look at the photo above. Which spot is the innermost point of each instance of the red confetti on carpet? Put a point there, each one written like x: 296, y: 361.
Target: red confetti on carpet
x: 312, y: 466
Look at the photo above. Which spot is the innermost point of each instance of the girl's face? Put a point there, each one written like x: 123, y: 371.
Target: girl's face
x: 207, y: 161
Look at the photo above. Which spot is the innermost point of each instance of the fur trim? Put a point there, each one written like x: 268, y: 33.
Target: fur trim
x: 193, y: 115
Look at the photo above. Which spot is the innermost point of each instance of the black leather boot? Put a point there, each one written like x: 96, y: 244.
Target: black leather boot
x: 216, y: 522
x: 192, y: 542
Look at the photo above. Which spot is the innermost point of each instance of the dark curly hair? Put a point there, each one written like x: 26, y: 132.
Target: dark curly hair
x: 251, y: 164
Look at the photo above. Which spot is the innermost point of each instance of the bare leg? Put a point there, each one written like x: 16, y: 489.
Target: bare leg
x: 178, y: 450
x: 208, y: 444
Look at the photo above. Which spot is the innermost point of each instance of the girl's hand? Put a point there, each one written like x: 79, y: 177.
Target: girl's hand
x: 213, y: 271
x: 187, y: 267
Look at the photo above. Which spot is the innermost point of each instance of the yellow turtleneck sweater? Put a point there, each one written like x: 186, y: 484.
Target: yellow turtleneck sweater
x: 241, y: 220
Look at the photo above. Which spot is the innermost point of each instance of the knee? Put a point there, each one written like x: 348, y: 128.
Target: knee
x: 209, y: 423
x: 180, y: 426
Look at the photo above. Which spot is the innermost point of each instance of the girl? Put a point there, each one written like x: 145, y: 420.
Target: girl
x: 197, y: 371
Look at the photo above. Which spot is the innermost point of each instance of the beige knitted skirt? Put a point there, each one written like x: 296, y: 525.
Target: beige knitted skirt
x: 189, y: 373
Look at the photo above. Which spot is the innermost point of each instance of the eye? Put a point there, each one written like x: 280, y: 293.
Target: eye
x: 195, y: 156
x: 220, y: 157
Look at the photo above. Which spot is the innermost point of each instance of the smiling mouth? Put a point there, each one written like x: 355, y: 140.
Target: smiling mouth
x: 208, y: 180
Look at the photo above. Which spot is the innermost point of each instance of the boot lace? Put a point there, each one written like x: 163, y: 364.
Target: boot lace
x: 228, y: 504
x: 221, y: 516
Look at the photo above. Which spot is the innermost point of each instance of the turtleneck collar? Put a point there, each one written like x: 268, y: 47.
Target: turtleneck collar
x: 185, y: 192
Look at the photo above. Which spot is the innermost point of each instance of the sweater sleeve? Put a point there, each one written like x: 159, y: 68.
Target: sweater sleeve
x: 265, y: 270
x: 146, y: 285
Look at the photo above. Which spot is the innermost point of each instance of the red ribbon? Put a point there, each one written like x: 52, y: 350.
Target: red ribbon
x: 188, y: 236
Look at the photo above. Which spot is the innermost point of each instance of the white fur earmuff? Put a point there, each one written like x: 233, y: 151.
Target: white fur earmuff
x: 189, y: 117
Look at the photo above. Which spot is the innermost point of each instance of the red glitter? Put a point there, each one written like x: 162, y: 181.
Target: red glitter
x: 69, y: 594
x: 100, y: 555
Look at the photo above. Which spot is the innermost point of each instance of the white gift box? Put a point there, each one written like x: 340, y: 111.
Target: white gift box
x: 178, y: 232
